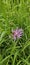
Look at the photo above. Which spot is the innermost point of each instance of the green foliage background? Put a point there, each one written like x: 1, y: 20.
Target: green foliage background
x: 13, y: 14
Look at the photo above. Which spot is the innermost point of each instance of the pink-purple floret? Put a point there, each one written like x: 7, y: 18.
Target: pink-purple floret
x: 17, y: 33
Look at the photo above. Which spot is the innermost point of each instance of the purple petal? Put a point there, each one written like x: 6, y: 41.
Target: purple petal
x: 17, y: 33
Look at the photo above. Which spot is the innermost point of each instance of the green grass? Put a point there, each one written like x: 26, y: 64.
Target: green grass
x: 13, y: 14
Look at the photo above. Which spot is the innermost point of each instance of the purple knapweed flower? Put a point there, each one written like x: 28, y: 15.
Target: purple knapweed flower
x: 17, y: 33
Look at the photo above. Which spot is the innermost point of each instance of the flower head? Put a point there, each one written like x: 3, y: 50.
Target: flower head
x: 17, y: 33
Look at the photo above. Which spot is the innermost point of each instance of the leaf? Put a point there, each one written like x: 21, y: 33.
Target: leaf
x: 0, y: 58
